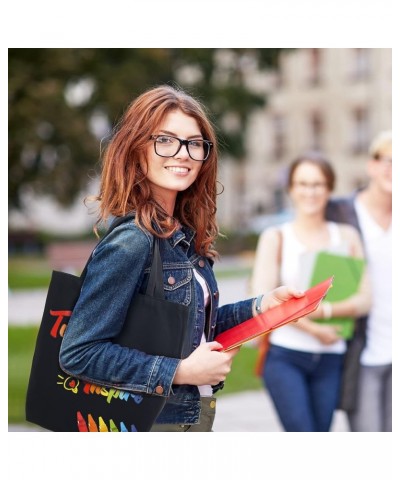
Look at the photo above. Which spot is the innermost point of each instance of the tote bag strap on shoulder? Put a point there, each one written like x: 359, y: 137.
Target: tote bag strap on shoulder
x: 155, y: 286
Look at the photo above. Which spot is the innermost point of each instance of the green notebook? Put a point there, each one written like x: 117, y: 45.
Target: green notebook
x: 347, y: 272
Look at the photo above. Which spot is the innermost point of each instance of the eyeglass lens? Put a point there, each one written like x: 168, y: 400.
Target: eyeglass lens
x: 318, y: 186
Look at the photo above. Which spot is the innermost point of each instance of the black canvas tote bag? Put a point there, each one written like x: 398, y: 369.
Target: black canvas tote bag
x: 59, y: 402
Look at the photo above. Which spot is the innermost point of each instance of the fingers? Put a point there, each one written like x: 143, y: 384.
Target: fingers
x: 288, y: 292
x: 214, y: 345
x: 294, y: 292
x: 279, y: 295
x: 284, y: 293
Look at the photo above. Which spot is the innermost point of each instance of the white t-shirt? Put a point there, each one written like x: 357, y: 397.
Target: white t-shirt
x: 294, y: 254
x: 205, y: 390
x: 378, y: 248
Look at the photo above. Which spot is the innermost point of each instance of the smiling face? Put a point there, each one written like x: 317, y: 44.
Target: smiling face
x: 309, y: 189
x: 168, y: 176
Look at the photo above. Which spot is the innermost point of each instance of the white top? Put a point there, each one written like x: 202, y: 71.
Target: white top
x: 294, y: 258
x: 205, y: 390
x: 378, y: 248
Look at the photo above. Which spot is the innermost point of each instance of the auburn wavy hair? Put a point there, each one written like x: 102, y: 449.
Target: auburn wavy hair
x: 124, y: 187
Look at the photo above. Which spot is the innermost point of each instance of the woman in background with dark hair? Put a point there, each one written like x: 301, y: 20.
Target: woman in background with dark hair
x: 303, y: 367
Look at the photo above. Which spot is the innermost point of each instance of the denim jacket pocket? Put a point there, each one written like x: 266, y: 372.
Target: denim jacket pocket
x: 177, y: 283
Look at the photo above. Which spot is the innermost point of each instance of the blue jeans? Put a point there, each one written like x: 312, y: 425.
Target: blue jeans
x: 304, y: 387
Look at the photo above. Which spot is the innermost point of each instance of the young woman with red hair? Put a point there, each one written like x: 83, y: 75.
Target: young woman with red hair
x: 161, y: 166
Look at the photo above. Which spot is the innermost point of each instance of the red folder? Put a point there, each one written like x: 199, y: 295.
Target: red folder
x: 275, y: 317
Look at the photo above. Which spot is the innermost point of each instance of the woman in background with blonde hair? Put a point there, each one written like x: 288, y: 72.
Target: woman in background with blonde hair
x: 368, y: 374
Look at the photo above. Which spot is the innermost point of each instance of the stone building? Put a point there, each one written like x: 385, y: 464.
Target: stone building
x: 331, y: 99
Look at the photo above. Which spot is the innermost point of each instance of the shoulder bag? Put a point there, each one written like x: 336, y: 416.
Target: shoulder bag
x: 62, y: 403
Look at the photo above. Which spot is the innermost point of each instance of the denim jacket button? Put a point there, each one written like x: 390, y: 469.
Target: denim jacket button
x: 159, y: 389
x: 171, y: 280
x: 201, y: 263
x: 216, y: 294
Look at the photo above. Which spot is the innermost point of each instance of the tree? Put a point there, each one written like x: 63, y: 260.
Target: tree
x: 63, y: 101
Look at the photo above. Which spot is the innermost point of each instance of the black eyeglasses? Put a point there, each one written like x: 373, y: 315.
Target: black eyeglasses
x: 168, y: 146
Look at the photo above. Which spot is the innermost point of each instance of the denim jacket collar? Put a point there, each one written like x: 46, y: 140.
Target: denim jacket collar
x: 185, y: 235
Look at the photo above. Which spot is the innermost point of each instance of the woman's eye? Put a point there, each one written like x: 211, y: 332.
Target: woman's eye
x: 164, y: 139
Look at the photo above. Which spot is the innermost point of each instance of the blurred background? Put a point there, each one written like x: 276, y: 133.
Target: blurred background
x: 268, y: 105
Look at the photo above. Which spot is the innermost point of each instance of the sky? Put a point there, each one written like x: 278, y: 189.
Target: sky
x: 203, y: 24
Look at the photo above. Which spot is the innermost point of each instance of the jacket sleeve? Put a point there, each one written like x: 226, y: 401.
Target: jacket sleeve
x: 113, y: 277
x: 233, y: 314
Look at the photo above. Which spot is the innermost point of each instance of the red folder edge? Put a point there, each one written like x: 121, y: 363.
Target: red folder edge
x: 275, y: 317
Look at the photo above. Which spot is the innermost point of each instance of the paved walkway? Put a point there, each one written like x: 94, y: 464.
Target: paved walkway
x: 25, y: 307
x: 250, y: 411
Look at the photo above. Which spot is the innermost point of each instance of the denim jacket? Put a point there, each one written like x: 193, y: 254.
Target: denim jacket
x: 118, y: 269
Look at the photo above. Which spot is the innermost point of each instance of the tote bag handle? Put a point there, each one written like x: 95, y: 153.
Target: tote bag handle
x: 155, y: 286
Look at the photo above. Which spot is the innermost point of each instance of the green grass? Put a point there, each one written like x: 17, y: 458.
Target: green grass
x: 21, y: 344
x: 242, y: 377
x: 232, y: 273
x: 28, y: 272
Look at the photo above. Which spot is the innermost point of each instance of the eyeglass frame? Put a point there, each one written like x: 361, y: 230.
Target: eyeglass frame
x: 182, y: 142
x: 315, y: 186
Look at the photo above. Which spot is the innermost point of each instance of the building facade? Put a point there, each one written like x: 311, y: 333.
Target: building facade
x: 331, y: 99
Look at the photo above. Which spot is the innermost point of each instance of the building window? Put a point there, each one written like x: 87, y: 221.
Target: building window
x: 279, y: 79
x: 360, y: 130
x: 316, y: 130
x: 279, y: 132
x: 361, y: 64
x: 315, y: 66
